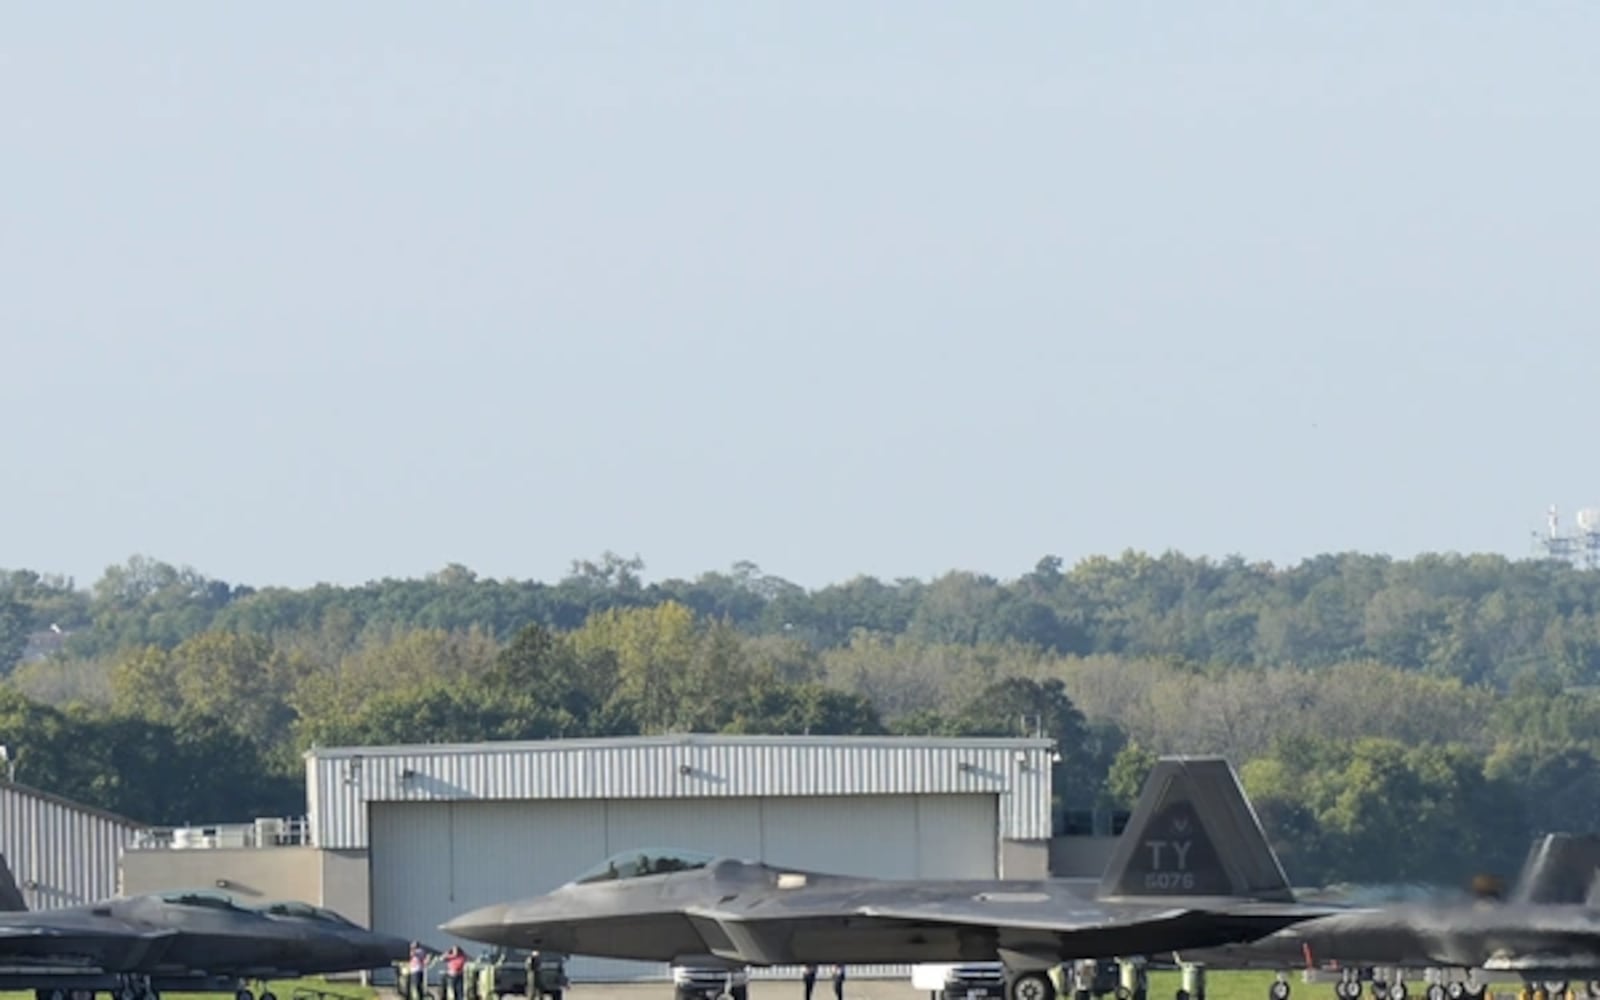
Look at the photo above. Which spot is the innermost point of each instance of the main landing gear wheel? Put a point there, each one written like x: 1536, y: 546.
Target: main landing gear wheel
x: 1279, y: 990
x: 1397, y: 990
x: 1436, y: 991
x: 1032, y: 986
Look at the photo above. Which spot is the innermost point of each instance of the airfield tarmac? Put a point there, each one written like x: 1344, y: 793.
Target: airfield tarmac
x: 760, y: 989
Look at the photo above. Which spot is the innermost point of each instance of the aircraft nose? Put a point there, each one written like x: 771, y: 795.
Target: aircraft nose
x: 390, y: 949
x: 484, y: 924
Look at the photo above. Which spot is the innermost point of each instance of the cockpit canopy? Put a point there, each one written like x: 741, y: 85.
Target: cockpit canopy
x: 202, y: 899
x: 303, y: 911
x: 640, y: 863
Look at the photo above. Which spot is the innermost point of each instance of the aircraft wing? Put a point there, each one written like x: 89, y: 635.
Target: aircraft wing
x: 1041, y: 926
x: 1036, y: 914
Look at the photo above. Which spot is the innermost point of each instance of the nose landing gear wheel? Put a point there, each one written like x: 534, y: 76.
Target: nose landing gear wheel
x: 1279, y: 990
x: 1032, y: 986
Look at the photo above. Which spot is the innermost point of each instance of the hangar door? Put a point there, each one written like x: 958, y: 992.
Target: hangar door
x: 433, y: 860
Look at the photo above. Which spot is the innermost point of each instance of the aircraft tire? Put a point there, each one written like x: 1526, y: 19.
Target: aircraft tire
x: 1279, y: 990
x: 1181, y: 995
x: 1455, y: 990
x: 55, y: 994
x: 1032, y: 986
x: 1592, y: 987
x: 268, y: 995
x: 1397, y: 990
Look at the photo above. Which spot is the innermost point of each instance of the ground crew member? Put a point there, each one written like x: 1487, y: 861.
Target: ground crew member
x: 534, y: 990
x: 418, y: 985
x: 838, y: 982
x: 808, y: 975
x: 455, y: 971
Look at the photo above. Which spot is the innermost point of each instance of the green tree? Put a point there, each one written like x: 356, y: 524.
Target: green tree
x: 1127, y: 774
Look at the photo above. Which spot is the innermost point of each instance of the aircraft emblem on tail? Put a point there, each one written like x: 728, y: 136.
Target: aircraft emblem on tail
x: 1193, y: 833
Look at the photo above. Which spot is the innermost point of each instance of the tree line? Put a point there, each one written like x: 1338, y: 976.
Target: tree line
x: 1415, y: 720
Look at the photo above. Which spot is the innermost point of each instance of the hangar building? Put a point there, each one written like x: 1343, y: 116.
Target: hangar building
x: 61, y: 853
x: 449, y: 828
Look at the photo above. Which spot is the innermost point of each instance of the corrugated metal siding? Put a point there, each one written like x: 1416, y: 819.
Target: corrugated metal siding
x: 61, y: 854
x: 340, y: 782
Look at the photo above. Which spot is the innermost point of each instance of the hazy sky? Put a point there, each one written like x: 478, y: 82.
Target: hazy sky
x: 297, y: 292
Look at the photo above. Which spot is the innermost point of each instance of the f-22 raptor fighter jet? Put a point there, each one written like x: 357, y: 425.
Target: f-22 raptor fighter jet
x: 1192, y: 870
x: 1546, y: 933
x: 180, y: 938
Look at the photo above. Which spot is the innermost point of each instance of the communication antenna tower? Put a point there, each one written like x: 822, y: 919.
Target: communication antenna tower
x: 1579, y: 547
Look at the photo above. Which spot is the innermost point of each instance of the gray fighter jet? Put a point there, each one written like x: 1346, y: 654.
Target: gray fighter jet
x: 1192, y: 870
x: 1547, y: 931
x: 187, y: 934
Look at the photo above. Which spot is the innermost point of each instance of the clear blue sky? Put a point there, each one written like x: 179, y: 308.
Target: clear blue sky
x: 296, y: 292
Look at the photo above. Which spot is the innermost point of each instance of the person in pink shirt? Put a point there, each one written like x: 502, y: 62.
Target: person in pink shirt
x: 455, y: 973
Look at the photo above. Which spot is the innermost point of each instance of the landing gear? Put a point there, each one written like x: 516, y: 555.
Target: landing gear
x: 1279, y: 990
x: 1193, y: 982
x: 1132, y: 981
x: 1032, y: 985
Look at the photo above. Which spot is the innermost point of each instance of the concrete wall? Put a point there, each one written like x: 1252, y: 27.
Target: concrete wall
x: 253, y: 874
x: 346, y: 885
x: 1025, y: 859
x: 1080, y: 857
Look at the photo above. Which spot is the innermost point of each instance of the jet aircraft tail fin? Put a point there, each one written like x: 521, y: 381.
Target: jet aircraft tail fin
x: 1193, y: 833
x: 11, y: 900
x: 1561, y: 868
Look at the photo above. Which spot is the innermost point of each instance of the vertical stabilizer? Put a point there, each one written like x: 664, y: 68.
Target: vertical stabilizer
x: 1193, y: 833
x: 1561, y: 868
x: 11, y: 900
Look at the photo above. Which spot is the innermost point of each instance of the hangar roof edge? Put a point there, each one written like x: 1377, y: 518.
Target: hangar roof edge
x: 681, y: 740
x: 66, y: 803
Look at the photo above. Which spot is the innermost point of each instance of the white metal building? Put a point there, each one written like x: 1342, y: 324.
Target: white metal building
x: 61, y: 853
x: 450, y: 828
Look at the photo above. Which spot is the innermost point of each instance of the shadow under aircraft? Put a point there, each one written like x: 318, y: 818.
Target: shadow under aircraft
x: 176, y: 939
x: 1192, y: 870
